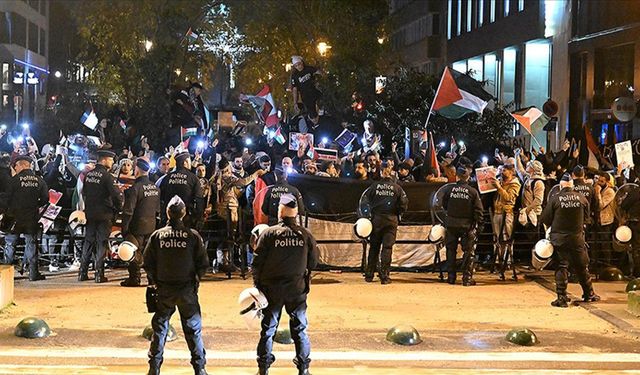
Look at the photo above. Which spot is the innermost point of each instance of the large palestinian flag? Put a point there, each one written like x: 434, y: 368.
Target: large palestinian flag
x: 264, y: 106
x: 459, y: 94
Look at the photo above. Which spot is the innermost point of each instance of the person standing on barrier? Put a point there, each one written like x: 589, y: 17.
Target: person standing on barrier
x: 139, y: 215
x: 272, y: 197
x: 284, y: 257
x: 175, y: 260
x: 102, y: 201
x: 384, y: 202
x: 25, y: 194
x: 565, y: 214
x: 463, y: 217
x: 508, y: 189
x: 631, y: 206
x: 185, y: 184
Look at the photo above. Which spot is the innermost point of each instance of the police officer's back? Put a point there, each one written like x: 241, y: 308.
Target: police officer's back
x: 102, y: 201
x: 284, y: 256
x: 141, y: 208
x: 586, y: 190
x: 384, y: 201
x: 175, y: 260
x: 273, y: 194
x: 463, y: 216
x: 186, y: 185
x: 26, y: 193
x: 565, y: 213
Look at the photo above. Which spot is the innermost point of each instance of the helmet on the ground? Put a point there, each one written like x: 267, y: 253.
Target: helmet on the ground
x: 363, y: 228
x: 252, y: 301
x: 611, y: 274
x: 404, y: 335
x: 623, y: 234
x: 633, y: 285
x: 283, y: 336
x: 127, y: 250
x: 172, y: 335
x: 436, y: 233
x: 522, y: 336
x: 255, y: 234
x: 541, y: 254
x: 76, y: 219
x: 32, y: 328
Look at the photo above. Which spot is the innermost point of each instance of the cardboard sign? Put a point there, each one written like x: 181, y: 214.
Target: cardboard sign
x: 485, y: 178
x: 225, y: 119
x: 624, y: 154
x: 345, y: 138
x: 49, y: 216
x: 326, y: 153
x: 54, y: 196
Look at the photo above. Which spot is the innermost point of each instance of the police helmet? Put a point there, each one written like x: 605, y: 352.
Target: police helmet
x: 252, y: 301
x: 541, y: 254
x: 32, y: 328
x: 436, y: 233
x: 404, y: 335
x: 623, y: 234
x: 127, y: 250
x: 76, y: 219
x: 363, y: 228
x: 522, y: 336
x: 255, y: 234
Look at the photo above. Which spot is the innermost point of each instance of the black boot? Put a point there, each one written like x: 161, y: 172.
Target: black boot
x: 153, y: 370
x: 200, y: 371
x: 305, y: 371
x: 83, y: 274
x: 561, y: 301
x: 592, y: 297
x: 468, y: 281
x: 384, y: 277
x: 451, y: 278
x: 99, y: 275
x: 130, y: 282
x: 263, y: 371
x: 34, y: 274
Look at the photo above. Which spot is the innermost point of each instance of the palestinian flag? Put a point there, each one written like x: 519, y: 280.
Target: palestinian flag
x: 433, y: 157
x: 592, y: 149
x: 185, y: 133
x: 459, y: 94
x: 264, y: 106
x: 190, y: 35
x: 531, y: 118
x: 279, y: 137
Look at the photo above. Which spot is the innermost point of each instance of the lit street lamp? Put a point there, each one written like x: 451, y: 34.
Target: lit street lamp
x: 323, y: 48
x: 57, y: 74
x: 178, y: 72
x: 147, y: 45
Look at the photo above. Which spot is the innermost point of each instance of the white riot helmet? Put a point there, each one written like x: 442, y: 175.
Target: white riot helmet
x: 76, y: 219
x: 251, y: 302
x: 363, y: 228
x: 127, y: 250
x: 436, y: 233
x: 255, y: 234
x: 622, y: 239
x: 541, y: 254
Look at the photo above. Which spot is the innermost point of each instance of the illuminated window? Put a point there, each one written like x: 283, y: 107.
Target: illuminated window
x: 509, y: 74
x: 469, y: 7
x: 449, y: 10
x: 480, y: 12
x: 459, y: 18
x: 492, y: 11
x: 460, y: 66
x: 506, y: 7
x: 490, y: 74
x: 537, y: 71
x: 475, y: 68
x: 520, y: 5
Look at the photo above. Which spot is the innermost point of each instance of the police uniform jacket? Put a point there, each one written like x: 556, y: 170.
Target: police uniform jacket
x: 631, y: 205
x: 26, y: 193
x: 384, y: 197
x: 102, y: 199
x: 141, y: 206
x: 185, y: 184
x: 462, y: 204
x: 175, y: 255
x: 5, y: 180
x: 282, y: 257
x: 565, y: 213
x: 272, y: 200
x: 587, y: 191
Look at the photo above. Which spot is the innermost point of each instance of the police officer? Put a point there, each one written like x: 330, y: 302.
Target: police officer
x: 464, y: 215
x: 384, y: 202
x: 284, y: 257
x: 185, y: 184
x: 565, y: 213
x: 102, y: 201
x: 141, y: 208
x: 175, y: 260
x: 25, y: 194
x: 272, y: 196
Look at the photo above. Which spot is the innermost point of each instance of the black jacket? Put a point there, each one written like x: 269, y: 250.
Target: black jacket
x: 141, y: 207
x: 102, y: 199
x: 565, y: 213
x: 284, y: 255
x: 580, y: 186
x: 185, y: 184
x: 5, y: 181
x: 384, y: 197
x: 272, y: 200
x: 26, y: 194
x: 175, y: 255
x: 462, y: 205
x: 631, y: 205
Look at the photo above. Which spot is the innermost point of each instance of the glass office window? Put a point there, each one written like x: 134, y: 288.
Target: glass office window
x: 469, y: 18
x: 490, y: 74
x: 18, y: 30
x: 474, y: 66
x: 492, y: 11
x: 520, y: 5
x: 506, y: 7
x: 460, y: 66
x: 459, y: 18
x: 509, y: 74
x: 537, y: 69
x: 43, y: 43
x: 449, y: 15
x: 480, y: 12
x: 33, y: 37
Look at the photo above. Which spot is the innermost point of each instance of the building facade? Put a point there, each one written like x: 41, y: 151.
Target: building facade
x: 518, y: 48
x: 416, y: 35
x: 605, y: 65
x: 24, y: 35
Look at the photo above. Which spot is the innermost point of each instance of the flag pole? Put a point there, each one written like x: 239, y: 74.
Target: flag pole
x: 426, y: 123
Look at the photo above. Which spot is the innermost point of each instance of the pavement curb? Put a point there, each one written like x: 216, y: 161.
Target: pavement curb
x: 591, y: 308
